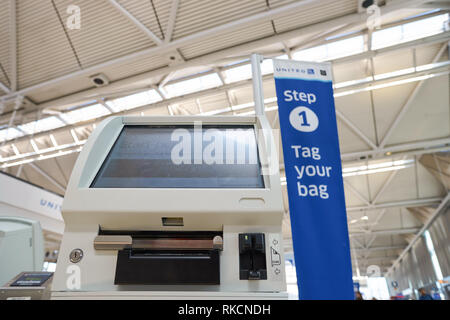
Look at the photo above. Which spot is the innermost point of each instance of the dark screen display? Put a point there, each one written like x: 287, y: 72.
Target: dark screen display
x: 182, y: 157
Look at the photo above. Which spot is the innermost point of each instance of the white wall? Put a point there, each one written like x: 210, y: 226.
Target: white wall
x: 20, y: 199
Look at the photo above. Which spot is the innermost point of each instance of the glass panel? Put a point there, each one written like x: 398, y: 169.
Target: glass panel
x: 409, y: 31
x: 424, y: 28
x: 11, y: 134
x: 42, y: 125
x: 318, y: 53
x: 134, y: 100
x: 193, y: 85
x: 86, y: 113
x: 345, y: 47
x: 387, y: 37
x: 182, y: 157
x: 239, y: 73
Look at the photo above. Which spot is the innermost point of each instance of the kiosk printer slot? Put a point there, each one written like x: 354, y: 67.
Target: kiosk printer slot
x: 170, y: 207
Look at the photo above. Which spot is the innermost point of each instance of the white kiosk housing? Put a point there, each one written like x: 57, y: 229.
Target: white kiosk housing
x: 174, y: 207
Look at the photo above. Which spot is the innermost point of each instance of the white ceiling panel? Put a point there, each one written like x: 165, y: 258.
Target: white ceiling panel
x: 348, y: 140
x: 397, y: 190
x: 315, y: 13
x: 198, y: 15
x: 357, y: 108
x: 227, y: 39
x: 5, y: 37
x: 43, y: 51
x: 105, y: 33
x: 428, y: 116
x: 388, y: 103
x: 143, y: 11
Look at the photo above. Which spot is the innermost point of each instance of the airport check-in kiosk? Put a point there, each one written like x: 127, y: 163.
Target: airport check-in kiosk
x: 21, y: 247
x: 174, y: 207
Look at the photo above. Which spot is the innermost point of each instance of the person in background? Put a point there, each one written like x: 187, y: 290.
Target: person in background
x: 424, y: 295
x: 358, y: 296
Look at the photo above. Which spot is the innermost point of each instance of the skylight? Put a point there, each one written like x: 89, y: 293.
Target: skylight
x: 434, y: 259
x: 318, y: 53
x: 332, y: 50
x: 377, y: 167
x: 238, y: 73
x: 345, y: 47
x: 86, y: 113
x: 245, y: 72
x: 11, y: 134
x: 387, y: 37
x: 410, y: 31
x: 45, y: 124
x: 192, y: 85
x: 134, y: 100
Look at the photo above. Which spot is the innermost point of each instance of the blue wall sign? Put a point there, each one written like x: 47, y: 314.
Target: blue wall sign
x: 314, y: 179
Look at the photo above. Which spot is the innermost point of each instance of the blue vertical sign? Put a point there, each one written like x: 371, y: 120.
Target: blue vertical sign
x: 314, y: 179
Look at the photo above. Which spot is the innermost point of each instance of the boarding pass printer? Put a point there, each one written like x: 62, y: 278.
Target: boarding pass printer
x: 174, y: 207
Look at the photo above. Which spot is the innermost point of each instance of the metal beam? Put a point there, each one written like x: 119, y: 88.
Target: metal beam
x: 443, y: 68
x: 442, y: 206
x: 378, y: 219
x: 409, y: 101
x: 356, y: 192
x: 210, y: 58
x: 372, y: 249
x: 72, y: 148
x: 17, y: 105
x: 43, y: 154
x: 418, y: 147
x: 194, y: 95
x: 48, y: 177
x: 393, y: 204
x: 440, y: 69
x: 172, y: 20
x: 19, y: 171
x: 197, y: 94
x: 13, y: 44
x: 4, y: 88
x: 384, y: 232
x: 388, y: 258
x: 385, y: 185
x: 136, y: 22
x: 355, y: 129
x: 444, y: 5
x: 439, y: 38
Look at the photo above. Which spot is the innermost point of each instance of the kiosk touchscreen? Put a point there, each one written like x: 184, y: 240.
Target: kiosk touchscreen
x: 167, y: 207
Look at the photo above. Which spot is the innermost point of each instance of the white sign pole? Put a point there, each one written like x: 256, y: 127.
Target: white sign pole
x: 258, y: 93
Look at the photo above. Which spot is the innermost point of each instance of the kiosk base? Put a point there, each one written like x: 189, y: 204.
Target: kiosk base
x: 167, y: 295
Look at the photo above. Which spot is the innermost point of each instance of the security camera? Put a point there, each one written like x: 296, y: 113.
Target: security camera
x: 367, y: 3
x: 99, y: 80
x: 364, y: 4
